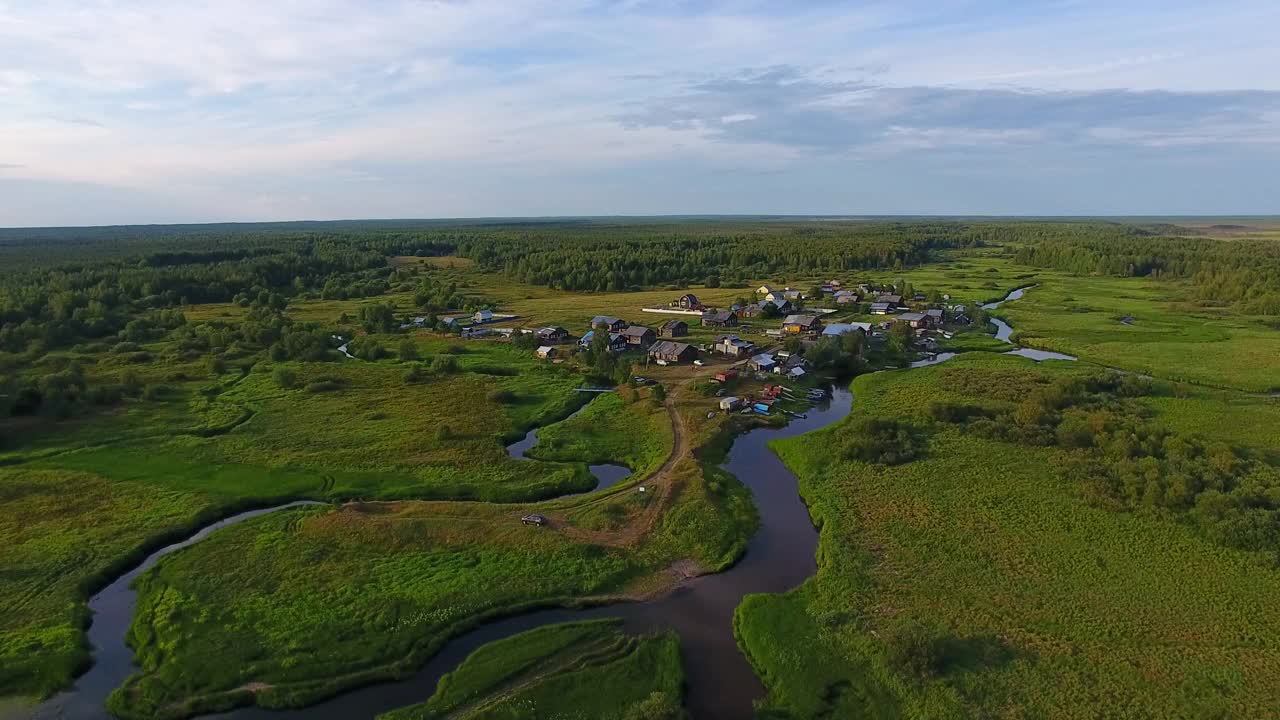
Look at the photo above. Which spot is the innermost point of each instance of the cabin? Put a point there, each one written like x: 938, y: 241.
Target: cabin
x: 915, y: 320
x: 844, y: 297
x: 617, y: 343
x: 482, y: 316
x: 552, y: 335
x: 934, y: 316
x: 545, y: 352
x: 729, y: 404
x: 719, y: 318
x: 688, y: 301
x: 836, y: 329
x: 894, y: 300
x: 797, y: 324
x: 880, y: 308
x: 673, y: 328
x: 790, y: 294
x: 604, y: 322
x: 733, y: 346
x: 763, y: 362
x: 666, y: 352
x: 764, y: 290
x: 639, y: 336
x: 776, y: 297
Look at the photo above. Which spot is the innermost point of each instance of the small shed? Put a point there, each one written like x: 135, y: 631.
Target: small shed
x: 482, y: 316
x: 545, y: 352
x: 729, y: 404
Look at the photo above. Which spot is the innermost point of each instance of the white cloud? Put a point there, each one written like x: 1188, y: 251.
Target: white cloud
x: 250, y: 107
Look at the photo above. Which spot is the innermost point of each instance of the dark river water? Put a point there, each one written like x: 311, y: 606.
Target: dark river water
x: 721, y: 684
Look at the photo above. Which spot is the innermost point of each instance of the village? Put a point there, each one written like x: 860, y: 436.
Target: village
x: 758, y: 351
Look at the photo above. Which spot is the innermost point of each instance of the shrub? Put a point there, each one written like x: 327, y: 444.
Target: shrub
x: 443, y: 433
x: 913, y: 650
x: 285, y: 377
x: 880, y: 440
x: 444, y: 364
x: 324, y: 385
x: 503, y: 397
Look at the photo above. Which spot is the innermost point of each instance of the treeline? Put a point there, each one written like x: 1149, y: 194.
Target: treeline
x: 1120, y: 461
x: 598, y: 258
x: 1245, y: 273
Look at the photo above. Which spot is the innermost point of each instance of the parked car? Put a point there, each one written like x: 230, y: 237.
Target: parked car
x: 534, y: 519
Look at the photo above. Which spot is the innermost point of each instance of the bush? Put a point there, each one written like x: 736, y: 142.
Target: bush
x: 503, y: 397
x: 443, y: 433
x: 883, y: 441
x: 416, y: 373
x: 285, y: 377
x: 913, y: 650
x: 444, y: 364
x: 324, y: 385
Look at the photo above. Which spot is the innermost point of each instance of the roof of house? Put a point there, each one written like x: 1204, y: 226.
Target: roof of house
x: 880, y: 306
x: 844, y: 293
x: 718, y: 315
x: 842, y: 328
x: 799, y: 319
x: 668, y: 347
x: 636, y: 331
x: 674, y: 323
x: 911, y: 317
x: 604, y: 319
x: 544, y: 349
x: 763, y: 359
x: 933, y: 313
x: 889, y: 298
x: 764, y: 289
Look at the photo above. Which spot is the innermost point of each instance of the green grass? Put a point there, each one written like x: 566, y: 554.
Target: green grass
x: 573, y: 670
x: 1038, y: 604
x: 64, y: 533
x: 312, y: 601
x: 1168, y: 338
x: 636, y: 434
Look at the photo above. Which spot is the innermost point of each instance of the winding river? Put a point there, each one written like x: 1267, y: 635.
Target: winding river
x: 721, y: 684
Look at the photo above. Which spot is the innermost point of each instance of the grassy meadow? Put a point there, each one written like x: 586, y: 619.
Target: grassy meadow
x: 973, y: 582
x: 573, y: 670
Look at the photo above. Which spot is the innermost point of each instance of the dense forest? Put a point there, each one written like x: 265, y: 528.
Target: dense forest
x: 1242, y: 272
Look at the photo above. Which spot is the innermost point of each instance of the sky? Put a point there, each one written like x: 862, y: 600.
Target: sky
x: 154, y: 111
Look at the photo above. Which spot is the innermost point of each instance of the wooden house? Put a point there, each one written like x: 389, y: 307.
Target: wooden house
x: 639, y: 336
x: 545, y: 352
x: 719, y: 318
x: 800, y: 324
x: 673, y: 328
x: 552, y: 335
x: 667, y: 351
x: 604, y: 322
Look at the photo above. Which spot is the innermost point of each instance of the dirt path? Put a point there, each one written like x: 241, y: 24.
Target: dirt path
x: 660, y: 481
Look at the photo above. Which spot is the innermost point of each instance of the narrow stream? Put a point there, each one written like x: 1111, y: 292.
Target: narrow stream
x: 1004, y: 332
x: 606, y: 474
x: 721, y: 684
x: 112, y: 609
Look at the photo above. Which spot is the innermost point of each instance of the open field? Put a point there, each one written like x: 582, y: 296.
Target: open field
x: 981, y: 576
x: 587, y: 670
x: 304, y: 603
x: 404, y: 577
x: 975, y: 582
x: 64, y: 532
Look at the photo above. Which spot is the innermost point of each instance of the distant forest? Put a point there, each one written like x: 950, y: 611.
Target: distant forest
x: 64, y: 285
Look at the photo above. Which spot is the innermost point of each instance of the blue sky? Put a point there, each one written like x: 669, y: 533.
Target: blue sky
x: 128, y: 111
